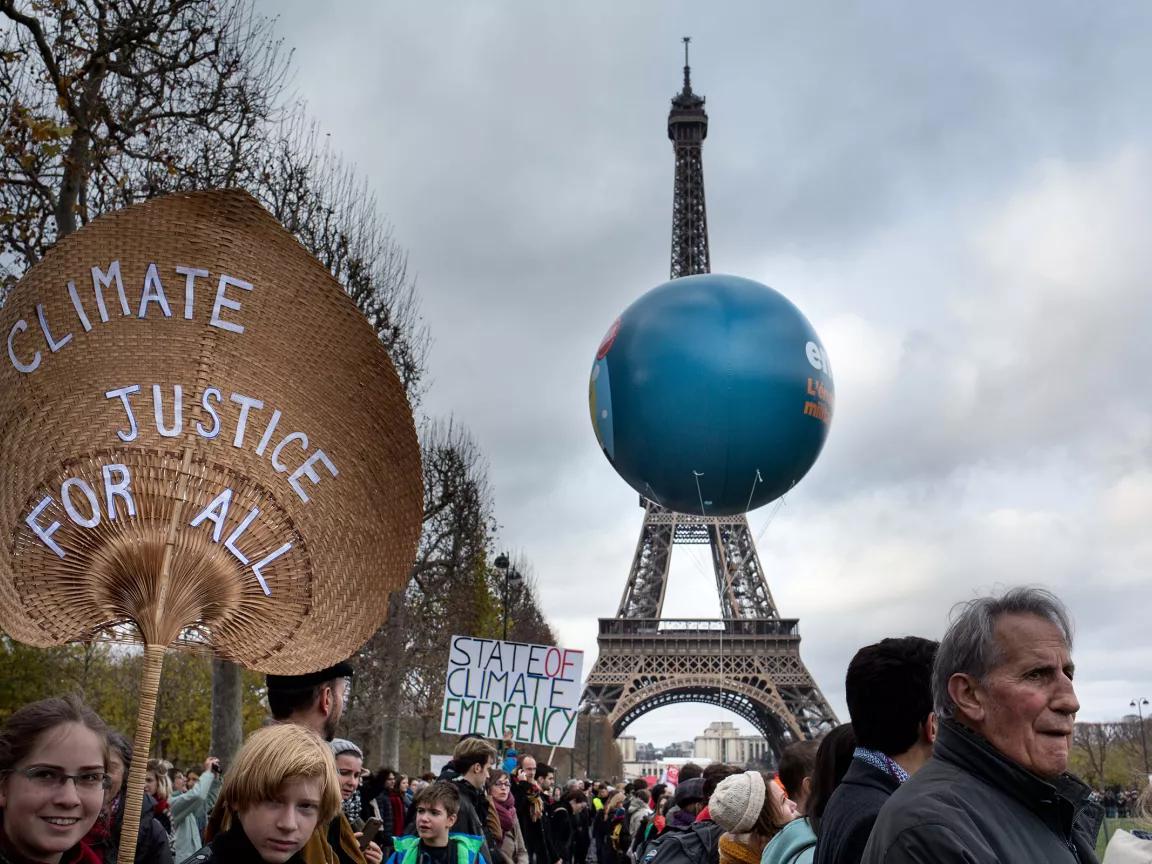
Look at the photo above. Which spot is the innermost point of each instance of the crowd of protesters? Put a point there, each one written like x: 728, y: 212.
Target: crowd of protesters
x: 956, y: 752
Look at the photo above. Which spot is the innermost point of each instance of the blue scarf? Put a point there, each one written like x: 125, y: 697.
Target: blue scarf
x: 881, y: 762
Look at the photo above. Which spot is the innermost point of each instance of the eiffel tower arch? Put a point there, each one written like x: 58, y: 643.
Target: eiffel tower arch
x: 747, y: 661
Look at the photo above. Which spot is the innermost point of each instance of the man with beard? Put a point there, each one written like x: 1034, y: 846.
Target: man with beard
x: 316, y: 701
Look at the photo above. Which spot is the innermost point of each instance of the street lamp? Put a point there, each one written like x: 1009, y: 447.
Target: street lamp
x: 588, y: 741
x: 510, y: 575
x: 1139, y: 704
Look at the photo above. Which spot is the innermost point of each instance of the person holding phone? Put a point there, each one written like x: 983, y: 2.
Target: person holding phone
x: 191, y: 807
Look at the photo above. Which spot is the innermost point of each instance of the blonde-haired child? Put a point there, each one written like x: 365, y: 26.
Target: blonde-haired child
x: 282, y: 784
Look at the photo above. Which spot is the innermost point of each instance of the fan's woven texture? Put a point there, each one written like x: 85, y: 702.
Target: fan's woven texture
x: 256, y: 408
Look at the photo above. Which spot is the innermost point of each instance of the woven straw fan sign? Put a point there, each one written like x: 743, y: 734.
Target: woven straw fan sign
x: 202, y: 441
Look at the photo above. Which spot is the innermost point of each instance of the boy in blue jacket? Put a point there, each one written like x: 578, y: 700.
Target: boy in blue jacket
x: 436, y: 807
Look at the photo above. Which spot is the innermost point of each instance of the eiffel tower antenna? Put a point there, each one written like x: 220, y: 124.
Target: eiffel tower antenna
x: 747, y: 661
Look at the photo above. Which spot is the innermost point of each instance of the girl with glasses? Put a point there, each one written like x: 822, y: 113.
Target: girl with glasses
x: 502, y: 822
x: 53, y: 777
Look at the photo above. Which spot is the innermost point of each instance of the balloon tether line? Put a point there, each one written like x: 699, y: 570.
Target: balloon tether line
x: 697, y: 475
x: 755, y: 480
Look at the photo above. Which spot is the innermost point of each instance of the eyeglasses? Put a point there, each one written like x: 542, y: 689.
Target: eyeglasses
x: 501, y: 783
x: 51, y: 778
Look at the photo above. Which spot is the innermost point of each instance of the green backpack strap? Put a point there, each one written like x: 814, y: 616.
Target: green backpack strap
x: 405, y: 848
x: 468, y: 847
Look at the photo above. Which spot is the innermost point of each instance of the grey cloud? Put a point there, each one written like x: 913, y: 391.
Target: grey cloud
x: 954, y: 195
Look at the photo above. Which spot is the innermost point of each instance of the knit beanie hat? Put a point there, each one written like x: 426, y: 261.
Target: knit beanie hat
x: 736, y: 804
x: 689, y: 792
x: 343, y: 745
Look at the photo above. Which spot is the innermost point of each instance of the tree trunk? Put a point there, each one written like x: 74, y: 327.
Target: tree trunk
x: 389, y: 716
x: 227, y: 710
x: 390, y: 740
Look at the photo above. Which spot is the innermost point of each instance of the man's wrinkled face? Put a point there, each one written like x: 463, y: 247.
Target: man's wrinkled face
x: 528, y: 768
x: 1027, y: 702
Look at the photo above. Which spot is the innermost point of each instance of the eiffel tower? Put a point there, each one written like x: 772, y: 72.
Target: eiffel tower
x: 749, y: 660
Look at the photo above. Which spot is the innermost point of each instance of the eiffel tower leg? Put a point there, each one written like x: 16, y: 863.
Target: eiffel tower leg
x: 648, y: 580
x: 740, y: 579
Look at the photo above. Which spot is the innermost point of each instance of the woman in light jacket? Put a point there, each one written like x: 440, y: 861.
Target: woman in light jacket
x: 502, y: 821
x: 190, y: 807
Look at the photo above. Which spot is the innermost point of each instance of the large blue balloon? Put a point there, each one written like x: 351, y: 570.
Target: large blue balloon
x: 711, y: 395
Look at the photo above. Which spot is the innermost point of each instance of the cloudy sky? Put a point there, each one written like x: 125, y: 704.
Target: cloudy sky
x: 958, y: 196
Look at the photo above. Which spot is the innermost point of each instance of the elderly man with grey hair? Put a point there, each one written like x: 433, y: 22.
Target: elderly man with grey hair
x: 996, y: 788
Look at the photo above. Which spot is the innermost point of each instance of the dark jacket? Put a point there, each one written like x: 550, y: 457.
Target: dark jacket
x: 342, y: 848
x: 851, y: 813
x: 971, y: 803
x: 583, y: 840
x: 151, y: 841
x: 537, y: 837
x: 233, y: 847
x: 562, y: 831
x: 152, y: 847
x: 384, y: 806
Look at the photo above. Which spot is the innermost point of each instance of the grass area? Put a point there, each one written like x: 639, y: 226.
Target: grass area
x: 1110, y: 826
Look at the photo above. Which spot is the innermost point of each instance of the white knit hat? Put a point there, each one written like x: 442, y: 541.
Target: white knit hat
x: 736, y: 804
x: 343, y: 745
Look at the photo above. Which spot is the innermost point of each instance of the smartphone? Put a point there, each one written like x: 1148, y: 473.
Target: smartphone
x: 371, y: 828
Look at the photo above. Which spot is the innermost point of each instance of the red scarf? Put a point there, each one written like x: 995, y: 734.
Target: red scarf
x: 398, y: 813
x: 78, y: 854
x: 506, y: 812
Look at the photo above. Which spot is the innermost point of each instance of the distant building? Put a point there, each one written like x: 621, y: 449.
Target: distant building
x: 632, y: 770
x: 679, y: 749
x: 722, y: 742
x: 646, y: 753
x: 627, y: 745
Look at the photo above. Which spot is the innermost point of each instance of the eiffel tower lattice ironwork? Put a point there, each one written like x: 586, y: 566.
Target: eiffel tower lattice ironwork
x: 748, y: 661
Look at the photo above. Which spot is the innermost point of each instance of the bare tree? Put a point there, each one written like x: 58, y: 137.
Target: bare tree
x: 114, y: 102
x: 111, y: 102
x: 331, y: 210
x: 401, y: 669
x: 1094, y: 740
